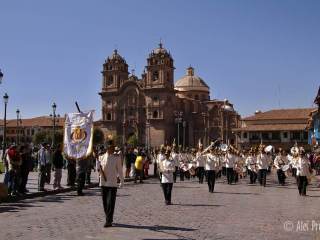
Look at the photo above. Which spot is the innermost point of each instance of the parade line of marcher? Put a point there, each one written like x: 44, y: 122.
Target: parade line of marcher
x: 170, y: 162
x: 215, y: 161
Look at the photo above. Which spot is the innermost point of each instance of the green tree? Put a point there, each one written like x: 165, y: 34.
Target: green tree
x: 46, y: 136
x: 133, y: 140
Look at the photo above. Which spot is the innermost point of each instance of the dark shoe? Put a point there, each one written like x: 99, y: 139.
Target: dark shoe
x: 80, y: 194
x: 106, y: 225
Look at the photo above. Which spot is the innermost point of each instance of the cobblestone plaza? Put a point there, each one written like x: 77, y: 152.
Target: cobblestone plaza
x: 239, y: 211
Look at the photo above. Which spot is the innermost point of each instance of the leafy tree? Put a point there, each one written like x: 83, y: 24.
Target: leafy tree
x: 133, y: 140
x: 46, y: 136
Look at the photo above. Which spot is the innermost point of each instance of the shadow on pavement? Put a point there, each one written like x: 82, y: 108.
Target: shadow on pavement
x: 161, y: 229
x: 238, y: 193
x: 167, y: 239
x: 154, y: 228
x: 17, y: 207
x: 196, y: 205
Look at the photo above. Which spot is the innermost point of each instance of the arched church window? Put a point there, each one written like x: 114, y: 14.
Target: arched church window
x: 155, y: 114
x: 109, y: 116
x: 155, y: 75
x: 196, y: 97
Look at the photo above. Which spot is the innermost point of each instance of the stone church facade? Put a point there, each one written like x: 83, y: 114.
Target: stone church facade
x: 156, y: 109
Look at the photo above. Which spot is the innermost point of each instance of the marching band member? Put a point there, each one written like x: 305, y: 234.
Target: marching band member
x: 175, y: 157
x: 110, y: 168
x: 303, y: 171
x: 212, y: 165
x: 187, y: 160
x: 160, y: 158
x: 279, y: 162
x: 251, y: 165
x: 182, y: 164
x: 263, y: 164
x: 293, y: 161
x: 201, y: 160
x: 229, y: 160
x: 167, y: 169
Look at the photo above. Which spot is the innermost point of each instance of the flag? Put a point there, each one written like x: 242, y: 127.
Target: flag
x: 78, y: 135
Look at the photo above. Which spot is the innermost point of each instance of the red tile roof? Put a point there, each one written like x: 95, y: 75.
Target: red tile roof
x: 43, y: 121
x: 277, y: 114
x: 273, y: 127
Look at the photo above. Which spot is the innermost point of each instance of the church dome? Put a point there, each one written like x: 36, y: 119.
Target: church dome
x: 191, y: 82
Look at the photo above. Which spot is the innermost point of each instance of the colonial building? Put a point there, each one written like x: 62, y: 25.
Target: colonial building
x: 156, y: 109
x: 279, y: 127
x: 23, y: 130
x: 314, y: 122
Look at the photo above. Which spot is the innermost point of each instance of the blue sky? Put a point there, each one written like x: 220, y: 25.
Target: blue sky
x: 258, y: 54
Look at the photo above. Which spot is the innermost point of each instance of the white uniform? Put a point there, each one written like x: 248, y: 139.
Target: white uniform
x: 160, y: 158
x: 280, y: 161
x: 112, y: 168
x: 251, y: 162
x: 176, y: 159
x: 303, y: 165
x: 262, y: 161
x: 168, y: 169
x: 212, y: 162
x: 200, y: 159
x: 230, y: 160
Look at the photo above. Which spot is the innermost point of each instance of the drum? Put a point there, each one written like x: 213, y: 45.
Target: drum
x: 184, y: 167
x: 192, y: 171
x: 285, y: 168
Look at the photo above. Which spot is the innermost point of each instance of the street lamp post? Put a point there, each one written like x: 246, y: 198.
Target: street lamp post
x: 1, y: 76
x: 204, y: 115
x: 54, y: 108
x: 184, y: 124
x: 178, y: 120
x: 17, y: 130
x: 227, y: 108
x: 5, y: 100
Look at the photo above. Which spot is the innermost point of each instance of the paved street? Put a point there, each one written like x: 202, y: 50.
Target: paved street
x: 232, y: 212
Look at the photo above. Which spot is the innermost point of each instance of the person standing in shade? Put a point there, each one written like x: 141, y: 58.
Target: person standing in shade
x: 57, y: 162
x: 42, y: 163
x: 49, y: 151
x: 14, y: 163
x: 26, y: 167
x: 109, y: 167
x: 167, y: 168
